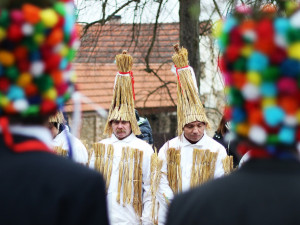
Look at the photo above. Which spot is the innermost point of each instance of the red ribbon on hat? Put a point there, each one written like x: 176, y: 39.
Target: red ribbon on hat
x: 26, y: 146
x: 132, y: 81
x: 178, y: 75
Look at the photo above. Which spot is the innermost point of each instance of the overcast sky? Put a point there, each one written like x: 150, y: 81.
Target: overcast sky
x: 90, y: 10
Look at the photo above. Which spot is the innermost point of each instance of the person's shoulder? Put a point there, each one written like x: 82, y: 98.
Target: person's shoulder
x: 142, y: 145
x: 105, y: 141
x: 59, y: 168
x: 215, y: 143
x: 213, y: 189
x: 173, y: 141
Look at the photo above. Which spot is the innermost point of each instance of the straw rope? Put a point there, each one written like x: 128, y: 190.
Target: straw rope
x: 140, y: 179
x: 130, y: 181
x: 122, y: 105
x: 60, y: 151
x: 104, y: 161
x: 131, y: 177
x: 156, y: 166
x: 97, y: 152
x: 174, y: 169
x: 228, y: 164
x: 126, y: 176
x: 136, y: 181
x: 203, y: 168
x: 121, y: 169
x: 110, y: 157
x: 189, y: 107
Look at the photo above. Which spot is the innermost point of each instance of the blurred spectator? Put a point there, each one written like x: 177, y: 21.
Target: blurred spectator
x: 222, y: 136
x: 145, y: 128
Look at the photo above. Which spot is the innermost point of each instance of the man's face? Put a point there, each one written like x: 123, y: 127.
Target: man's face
x: 194, y: 131
x: 53, y: 129
x: 121, y: 129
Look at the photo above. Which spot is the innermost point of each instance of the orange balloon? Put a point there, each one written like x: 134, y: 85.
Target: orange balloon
x: 255, y: 116
x: 247, y: 25
x: 31, y: 90
x: 289, y: 104
x: 31, y: 13
x: 9, y: 109
x: 55, y: 37
x: 57, y: 77
x: 239, y: 79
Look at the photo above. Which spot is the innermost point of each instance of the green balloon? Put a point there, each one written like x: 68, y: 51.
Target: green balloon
x: 4, y: 18
x: 293, y: 35
x: 60, y: 8
x: 240, y: 65
x: 71, y: 54
x: 31, y: 110
x: 235, y: 97
x: 12, y: 73
x: 271, y: 73
x: 272, y: 139
x: 39, y: 28
x: 44, y: 83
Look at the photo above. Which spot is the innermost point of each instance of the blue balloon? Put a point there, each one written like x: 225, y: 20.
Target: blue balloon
x: 15, y: 92
x: 287, y: 135
x: 268, y: 90
x: 257, y: 62
x: 281, y: 25
x: 273, y: 115
x: 229, y: 24
x: 290, y: 68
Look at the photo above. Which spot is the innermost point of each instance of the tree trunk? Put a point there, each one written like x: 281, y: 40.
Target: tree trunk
x: 189, y: 12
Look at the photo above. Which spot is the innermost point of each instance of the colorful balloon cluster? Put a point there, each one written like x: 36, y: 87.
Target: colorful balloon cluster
x: 37, y: 46
x: 261, y: 67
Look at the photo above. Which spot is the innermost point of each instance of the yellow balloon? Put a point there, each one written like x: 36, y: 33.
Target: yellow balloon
x: 294, y: 51
x: 217, y: 28
x: 254, y: 78
x: 49, y: 17
x: 50, y: 94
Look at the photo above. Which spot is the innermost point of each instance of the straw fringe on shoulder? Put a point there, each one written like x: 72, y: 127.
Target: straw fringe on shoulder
x: 189, y: 107
x: 122, y: 105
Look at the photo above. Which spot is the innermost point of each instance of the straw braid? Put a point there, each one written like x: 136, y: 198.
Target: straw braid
x: 121, y: 169
x: 174, y: 169
x: 140, y: 179
x: 156, y: 166
x: 60, y: 151
x: 126, y: 176
x: 135, y: 180
x: 130, y: 181
x: 110, y: 157
x: 228, y: 164
x: 203, y: 167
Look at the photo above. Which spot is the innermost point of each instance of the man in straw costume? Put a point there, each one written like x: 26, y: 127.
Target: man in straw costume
x: 124, y: 159
x: 37, y: 186
x: 193, y: 157
x: 64, y: 141
x: 260, y: 64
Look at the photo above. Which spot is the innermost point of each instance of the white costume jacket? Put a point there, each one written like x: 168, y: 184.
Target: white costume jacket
x: 80, y: 153
x: 186, y: 147
x: 124, y: 214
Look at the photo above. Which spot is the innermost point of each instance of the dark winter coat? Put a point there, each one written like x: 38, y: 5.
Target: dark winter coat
x: 42, y: 188
x: 261, y: 192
